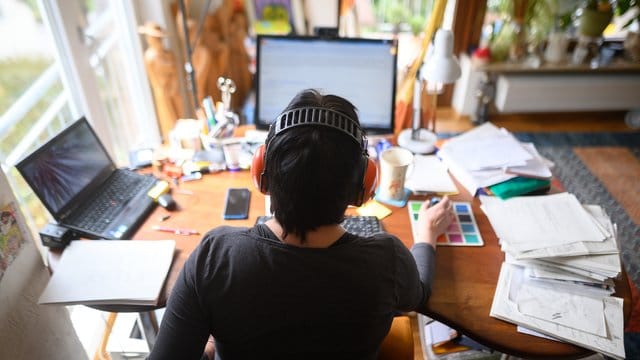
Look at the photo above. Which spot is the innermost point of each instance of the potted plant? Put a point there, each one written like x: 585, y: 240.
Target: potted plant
x: 595, y: 17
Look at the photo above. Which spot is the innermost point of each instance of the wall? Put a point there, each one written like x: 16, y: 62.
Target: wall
x: 29, y: 330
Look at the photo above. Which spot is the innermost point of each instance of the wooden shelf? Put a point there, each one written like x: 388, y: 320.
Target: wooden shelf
x: 617, y: 66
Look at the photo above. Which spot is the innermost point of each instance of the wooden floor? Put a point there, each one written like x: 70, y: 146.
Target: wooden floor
x: 449, y: 121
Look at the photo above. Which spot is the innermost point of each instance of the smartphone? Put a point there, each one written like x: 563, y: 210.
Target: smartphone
x: 236, y: 204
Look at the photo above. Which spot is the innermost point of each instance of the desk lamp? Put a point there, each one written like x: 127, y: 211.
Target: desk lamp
x: 440, y: 68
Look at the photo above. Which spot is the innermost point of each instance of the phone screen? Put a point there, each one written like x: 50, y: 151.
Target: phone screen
x: 237, y: 203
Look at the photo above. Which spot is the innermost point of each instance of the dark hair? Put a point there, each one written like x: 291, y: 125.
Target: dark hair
x: 313, y: 172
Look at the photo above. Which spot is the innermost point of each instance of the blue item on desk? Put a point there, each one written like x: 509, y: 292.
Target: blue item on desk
x: 398, y: 203
x: 381, y: 146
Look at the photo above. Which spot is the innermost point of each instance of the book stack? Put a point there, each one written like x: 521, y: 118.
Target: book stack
x: 557, y: 279
x: 444, y: 343
x: 487, y: 156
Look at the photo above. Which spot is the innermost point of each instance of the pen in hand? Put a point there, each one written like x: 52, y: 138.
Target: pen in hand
x: 176, y: 231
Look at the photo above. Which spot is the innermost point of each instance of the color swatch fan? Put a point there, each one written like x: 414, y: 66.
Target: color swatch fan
x: 463, y: 230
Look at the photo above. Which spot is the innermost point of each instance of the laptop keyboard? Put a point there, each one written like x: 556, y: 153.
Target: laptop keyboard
x: 100, y: 211
x: 356, y: 224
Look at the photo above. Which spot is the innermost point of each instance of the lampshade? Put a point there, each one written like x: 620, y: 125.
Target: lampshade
x: 440, y: 65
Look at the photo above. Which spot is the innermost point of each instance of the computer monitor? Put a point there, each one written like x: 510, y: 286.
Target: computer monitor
x: 361, y: 70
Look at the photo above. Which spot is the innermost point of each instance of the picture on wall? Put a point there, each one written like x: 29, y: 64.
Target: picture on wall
x: 11, y: 237
x: 272, y: 17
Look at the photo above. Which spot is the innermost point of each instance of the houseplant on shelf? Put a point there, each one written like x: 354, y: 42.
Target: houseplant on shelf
x: 594, y: 18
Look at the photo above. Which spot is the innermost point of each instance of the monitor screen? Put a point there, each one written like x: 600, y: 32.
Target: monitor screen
x: 361, y: 70
x: 66, y: 165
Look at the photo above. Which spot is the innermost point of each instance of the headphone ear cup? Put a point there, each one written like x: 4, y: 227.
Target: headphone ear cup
x: 257, y: 170
x: 369, y: 183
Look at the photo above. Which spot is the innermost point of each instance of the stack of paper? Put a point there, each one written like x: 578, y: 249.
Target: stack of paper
x: 561, y: 258
x: 112, y: 272
x: 428, y: 175
x: 487, y: 155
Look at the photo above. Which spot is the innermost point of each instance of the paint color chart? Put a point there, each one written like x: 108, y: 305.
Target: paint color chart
x: 463, y: 230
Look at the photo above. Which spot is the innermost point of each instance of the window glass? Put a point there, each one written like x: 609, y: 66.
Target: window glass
x: 33, y: 102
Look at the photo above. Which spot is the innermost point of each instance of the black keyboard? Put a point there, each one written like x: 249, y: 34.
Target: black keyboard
x: 357, y: 225
x: 121, y: 187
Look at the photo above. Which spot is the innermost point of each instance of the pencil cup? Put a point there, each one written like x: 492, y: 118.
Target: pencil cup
x: 394, y: 163
x: 231, y: 149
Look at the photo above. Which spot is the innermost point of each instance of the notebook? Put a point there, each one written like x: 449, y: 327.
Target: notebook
x: 76, y: 180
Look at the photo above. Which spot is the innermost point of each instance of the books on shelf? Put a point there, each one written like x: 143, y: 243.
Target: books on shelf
x: 110, y: 272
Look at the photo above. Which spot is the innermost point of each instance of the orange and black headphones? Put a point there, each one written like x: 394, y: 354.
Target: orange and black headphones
x: 319, y: 117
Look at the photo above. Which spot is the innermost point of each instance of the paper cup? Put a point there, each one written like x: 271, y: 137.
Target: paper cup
x: 394, y: 163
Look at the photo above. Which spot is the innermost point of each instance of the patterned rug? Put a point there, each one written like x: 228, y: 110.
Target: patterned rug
x: 604, y: 169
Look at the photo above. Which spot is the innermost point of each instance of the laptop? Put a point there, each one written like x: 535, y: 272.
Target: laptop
x: 76, y: 180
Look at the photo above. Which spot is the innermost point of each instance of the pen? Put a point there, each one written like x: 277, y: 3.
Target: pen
x: 176, y: 231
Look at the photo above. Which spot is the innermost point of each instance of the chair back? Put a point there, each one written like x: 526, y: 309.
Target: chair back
x: 398, y: 344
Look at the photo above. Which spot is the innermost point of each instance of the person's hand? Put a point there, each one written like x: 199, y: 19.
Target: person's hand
x: 210, y: 348
x: 433, y: 221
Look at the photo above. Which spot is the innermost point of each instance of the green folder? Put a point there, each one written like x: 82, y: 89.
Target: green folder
x: 519, y: 186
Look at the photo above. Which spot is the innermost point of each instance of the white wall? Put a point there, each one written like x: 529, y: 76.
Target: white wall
x: 28, y: 330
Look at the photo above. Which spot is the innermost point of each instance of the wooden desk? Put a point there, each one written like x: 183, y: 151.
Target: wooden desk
x: 465, y: 280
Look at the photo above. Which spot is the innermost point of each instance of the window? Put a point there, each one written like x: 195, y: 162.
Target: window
x: 74, y: 58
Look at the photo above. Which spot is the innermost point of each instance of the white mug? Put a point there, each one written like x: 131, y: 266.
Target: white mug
x: 394, y: 163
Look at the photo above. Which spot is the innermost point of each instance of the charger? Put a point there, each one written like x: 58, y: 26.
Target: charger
x: 56, y: 236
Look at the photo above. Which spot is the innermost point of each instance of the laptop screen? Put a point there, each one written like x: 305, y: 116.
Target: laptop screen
x: 70, y: 165
x: 361, y: 70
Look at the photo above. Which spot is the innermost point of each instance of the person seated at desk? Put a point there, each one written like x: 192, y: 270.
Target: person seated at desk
x: 299, y: 286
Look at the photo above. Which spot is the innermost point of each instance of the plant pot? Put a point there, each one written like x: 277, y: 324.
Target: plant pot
x: 632, y: 46
x: 593, y: 23
x: 556, y: 50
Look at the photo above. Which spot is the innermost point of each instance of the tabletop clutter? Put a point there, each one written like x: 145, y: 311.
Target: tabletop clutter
x: 561, y: 256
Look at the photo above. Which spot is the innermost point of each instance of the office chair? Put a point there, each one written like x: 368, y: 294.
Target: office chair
x: 398, y: 344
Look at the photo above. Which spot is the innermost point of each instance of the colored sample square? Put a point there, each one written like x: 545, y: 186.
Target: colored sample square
x: 471, y: 238
x: 468, y: 228
x: 463, y: 230
x: 455, y: 238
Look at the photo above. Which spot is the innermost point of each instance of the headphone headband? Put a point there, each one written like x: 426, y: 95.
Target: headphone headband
x: 368, y: 173
x: 320, y: 116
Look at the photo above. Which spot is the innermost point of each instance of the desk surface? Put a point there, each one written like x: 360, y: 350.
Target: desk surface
x: 465, y: 280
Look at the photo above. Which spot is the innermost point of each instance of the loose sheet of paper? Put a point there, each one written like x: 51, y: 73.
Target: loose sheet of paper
x: 611, y: 345
x: 534, y: 222
x: 430, y: 175
x: 110, y: 272
x: 486, y: 147
x: 575, y: 311
x: 536, y: 167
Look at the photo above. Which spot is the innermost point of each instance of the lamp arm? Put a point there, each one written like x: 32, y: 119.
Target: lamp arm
x: 417, y: 100
x: 191, y: 76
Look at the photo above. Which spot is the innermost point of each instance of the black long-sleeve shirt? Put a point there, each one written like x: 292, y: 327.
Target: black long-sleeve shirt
x: 263, y: 299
